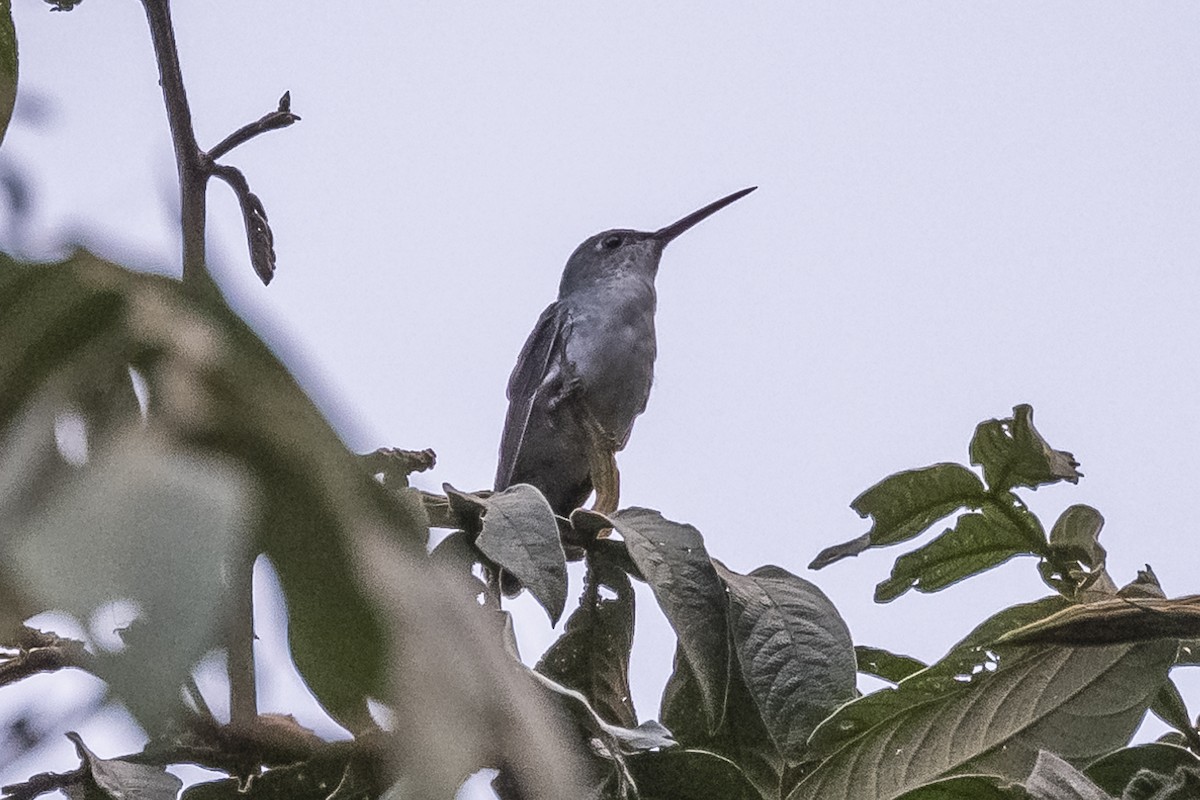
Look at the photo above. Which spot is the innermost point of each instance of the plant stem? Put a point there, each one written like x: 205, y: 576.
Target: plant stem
x: 194, y: 168
x: 189, y: 160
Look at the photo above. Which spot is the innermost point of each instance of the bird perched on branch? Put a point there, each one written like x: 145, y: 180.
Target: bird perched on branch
x: 585, y: 372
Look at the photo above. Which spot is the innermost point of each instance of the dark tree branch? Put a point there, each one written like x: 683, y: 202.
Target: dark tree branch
x: 43, y: 783
x: 189, y: 160
x: 38, y: 651
x: 273, y: 121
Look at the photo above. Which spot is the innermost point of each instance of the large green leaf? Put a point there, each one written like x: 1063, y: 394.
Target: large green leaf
x: 795, y: 652
x: 520, y: 535
x: 592, y: 655
x: 905, y: 504
x: 8, y: 65
x: 1013, y: 453
x: 1077, y: 702
x: 969, y: 656
x: 672, y: 557
x: 225, y: 420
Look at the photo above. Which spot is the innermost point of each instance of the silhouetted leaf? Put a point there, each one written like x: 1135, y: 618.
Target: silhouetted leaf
x: 592, y: 655
x: 520, y: 535
x: 1054, y: 779
x: 679, y: 774
x: 906, y: 504
x: 1114, y: 621
x: 742, y: 737
x: 1114, y: 771
x: 1012, y: 453
x: 977, y: 542
x: 886, y: 665
x: 794, y: 649
x: 967, y: 787
x: 672, y: 557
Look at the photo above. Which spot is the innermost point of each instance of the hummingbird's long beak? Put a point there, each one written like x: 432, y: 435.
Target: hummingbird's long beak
x: 668, y: 233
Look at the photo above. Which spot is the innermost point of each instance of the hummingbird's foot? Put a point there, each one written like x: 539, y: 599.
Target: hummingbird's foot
x: 606, y: 479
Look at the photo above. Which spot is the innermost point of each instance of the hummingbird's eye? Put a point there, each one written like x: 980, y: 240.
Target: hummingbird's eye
x: 611, y: 242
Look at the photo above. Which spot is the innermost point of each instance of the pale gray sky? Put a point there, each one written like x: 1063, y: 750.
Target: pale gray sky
x: 962, y: 207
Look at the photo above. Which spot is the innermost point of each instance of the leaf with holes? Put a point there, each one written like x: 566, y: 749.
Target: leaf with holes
x: 1013, y: 453
x: 592, y: 655
x: 886, y: 665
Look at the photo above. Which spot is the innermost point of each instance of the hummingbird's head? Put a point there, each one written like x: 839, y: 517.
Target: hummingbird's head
x: 622, y: 254
x: 612, y: 256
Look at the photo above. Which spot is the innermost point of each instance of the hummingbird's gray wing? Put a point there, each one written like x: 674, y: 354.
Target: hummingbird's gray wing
x: 535, y: 364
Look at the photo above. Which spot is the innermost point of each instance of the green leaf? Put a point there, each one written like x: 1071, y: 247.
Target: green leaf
x: 672, y: 557
x: 223, y: 413
x: 1078, y: 702
x: 967, y: 787
x: 977, y: 542
x: 742, y: 737
x: 592, y: 655
x: 8, y: 66
x: 905, y: 504
x: 1012, y: 453
x: 520, y: 535
x: 794, y: 649
x: 886, y: 665
x: 970, y: 656
x: 679, y: 774
x: 1115, y: 771
x: 1054, y: 779
x: 119, y: 780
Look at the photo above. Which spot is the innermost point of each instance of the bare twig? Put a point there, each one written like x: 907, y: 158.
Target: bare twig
x: 280, y: 118
x: 196, y: 167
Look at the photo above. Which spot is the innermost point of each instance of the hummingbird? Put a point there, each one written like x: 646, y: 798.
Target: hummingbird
x: 585, y: 372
